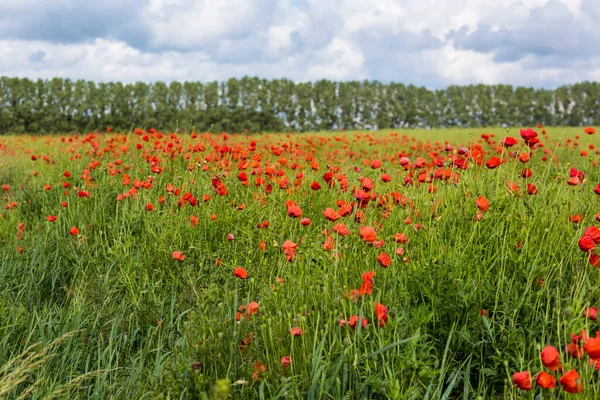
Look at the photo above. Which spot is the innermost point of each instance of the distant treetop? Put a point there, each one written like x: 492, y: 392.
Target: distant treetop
x: 253, y: 104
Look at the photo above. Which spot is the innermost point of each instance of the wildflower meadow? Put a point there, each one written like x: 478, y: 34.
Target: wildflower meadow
x: 405, y: 264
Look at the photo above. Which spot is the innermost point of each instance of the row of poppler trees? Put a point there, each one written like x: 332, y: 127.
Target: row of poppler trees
x: 253, y: 104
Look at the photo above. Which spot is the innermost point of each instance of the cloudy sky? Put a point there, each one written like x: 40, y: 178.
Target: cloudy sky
x: 434, y: 43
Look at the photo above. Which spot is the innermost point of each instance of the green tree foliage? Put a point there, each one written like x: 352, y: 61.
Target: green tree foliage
x: 251, y: 104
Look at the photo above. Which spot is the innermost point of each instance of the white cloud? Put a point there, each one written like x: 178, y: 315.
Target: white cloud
x: 340, y: 60
x: 188, y: 24
x: 424, y: 42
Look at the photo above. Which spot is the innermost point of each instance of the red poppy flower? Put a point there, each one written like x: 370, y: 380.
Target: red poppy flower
x: 263, y: 246
x: 378, y: 244
x: 593, y: 233
x: 532, y: 189
x: 591, y: 313
x: 289, y: 249
x: 305, y: 221
x: 367, y: 285
x: 528, y: 134
x: 575, y: 173
x: 400, y: 238
x: 315, y: 186
x: 263, y: 225
x: 259, y: 369
x: 296, y: 331
x: 509, y: 141
x: 252, y: 308
x: 178, y: 255
x: 367, y: 184
x: 74, y: 231
x: 550, y: 358
x: 362, y: 197
x: 574, y: 350
x: 20, y: 230
x: 240, y: 272
x: 522, y: 380
x: 595, y: 260
x: 384, y: 260
x: 482, y: 203
x: 592, y: 347
x: 597, y: 190
x: 571, y: 382
x: 341, y: 229
x: 381, y: 314
x: 368, y: 234
x: 285, y: 361
x: 294, y: 211
x: 331, y: 215
x: 586, y: 243
x: 577, y: 339
x: 328, y: 245
x: 526, y: 173
x: 149, y: 207
x: 493, y: 162
x: 545, y: 380
x: 590, y: 130
x: 51, y: 218
x: 353, y: 321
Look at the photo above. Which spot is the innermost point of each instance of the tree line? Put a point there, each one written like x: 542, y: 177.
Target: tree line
x: 253, y: 104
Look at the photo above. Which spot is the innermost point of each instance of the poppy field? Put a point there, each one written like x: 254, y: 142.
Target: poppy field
x: 439, y: 264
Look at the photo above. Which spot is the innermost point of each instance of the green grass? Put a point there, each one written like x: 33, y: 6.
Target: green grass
x: 141, y: 325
